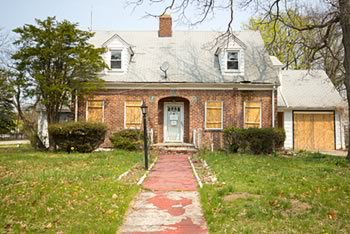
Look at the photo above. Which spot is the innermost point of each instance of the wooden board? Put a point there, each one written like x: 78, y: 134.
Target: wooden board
x: 214, y: 115
x: 314, y: 131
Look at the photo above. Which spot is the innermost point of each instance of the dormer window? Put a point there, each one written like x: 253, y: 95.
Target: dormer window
x: 116, y: 59
x: 232, y: 60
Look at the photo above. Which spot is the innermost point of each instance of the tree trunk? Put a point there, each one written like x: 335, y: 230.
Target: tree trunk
x: 344, y: 6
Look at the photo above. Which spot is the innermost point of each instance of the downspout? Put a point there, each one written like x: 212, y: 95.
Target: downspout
x: 273, y: 105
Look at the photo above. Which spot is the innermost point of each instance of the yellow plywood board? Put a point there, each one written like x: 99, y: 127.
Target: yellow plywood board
x: 314, y: 131
x: 214, y: 115
x: 252, y: 115
x: 95, y: 111
x: 133, y: 114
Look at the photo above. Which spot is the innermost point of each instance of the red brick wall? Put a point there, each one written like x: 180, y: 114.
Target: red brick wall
x: 194, y: 110
x: 165, y: 26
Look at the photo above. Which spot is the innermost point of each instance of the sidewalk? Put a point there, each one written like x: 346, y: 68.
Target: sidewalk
x: 170, y: 201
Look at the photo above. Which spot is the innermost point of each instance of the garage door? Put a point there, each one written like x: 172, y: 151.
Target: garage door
x: 314, y: 131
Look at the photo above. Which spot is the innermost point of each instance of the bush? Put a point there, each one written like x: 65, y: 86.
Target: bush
x: 253, y: 140
x: 78, y: 136
x: 127, y: 139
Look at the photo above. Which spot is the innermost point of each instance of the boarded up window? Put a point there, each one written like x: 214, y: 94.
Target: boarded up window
x: 95, y: 111
x: 252, y: 113
x: 133, y: 114
x: 213, y: 115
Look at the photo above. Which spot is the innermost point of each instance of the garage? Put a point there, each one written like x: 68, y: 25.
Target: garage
x: 314, y: 130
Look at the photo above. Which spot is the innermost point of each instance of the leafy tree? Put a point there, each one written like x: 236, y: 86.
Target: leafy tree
x: 7, y: 116
x: 54, y: 62
x: 285, y: 44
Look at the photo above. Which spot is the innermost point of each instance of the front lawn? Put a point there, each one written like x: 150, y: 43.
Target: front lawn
x: 59, y: 192
x: 309, y: 193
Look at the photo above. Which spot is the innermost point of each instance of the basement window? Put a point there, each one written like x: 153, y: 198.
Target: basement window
x: 116, y: 59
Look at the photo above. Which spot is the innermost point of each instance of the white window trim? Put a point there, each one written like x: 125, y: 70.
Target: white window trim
x: 244, y: 107
x: 125, y: 114
x: 239, y: 61
x: 121, y: 59
x: 222, y: 115
x: 87, y: 110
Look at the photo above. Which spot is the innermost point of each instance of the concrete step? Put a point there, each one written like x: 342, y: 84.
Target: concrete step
x: 172, y: 148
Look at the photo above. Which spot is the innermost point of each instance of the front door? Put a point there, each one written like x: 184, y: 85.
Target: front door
x: 173, y: 122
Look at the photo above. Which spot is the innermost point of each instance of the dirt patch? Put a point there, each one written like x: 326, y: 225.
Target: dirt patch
x: 298, y: 207
x: 235, y: 196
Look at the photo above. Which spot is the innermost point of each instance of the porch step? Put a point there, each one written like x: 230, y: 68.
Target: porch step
x: 175, y: 147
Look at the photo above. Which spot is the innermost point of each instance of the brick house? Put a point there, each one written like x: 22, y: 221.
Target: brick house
x: 194, y: 83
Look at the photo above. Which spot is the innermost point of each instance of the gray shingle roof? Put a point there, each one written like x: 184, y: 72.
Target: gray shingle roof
x: 308, y: 89
x: 191, y: 56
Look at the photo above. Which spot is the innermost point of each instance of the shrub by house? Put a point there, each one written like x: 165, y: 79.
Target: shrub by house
x: 253, y: 140
x: 127, y: 139
x: 78, y: 136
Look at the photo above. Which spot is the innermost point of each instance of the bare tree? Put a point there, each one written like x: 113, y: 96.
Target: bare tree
x: 330, y: 14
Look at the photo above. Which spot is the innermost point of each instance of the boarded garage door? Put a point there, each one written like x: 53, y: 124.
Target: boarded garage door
x: 314, y: 131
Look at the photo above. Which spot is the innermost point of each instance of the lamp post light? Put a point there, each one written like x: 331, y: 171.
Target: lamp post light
x: 145, y: 147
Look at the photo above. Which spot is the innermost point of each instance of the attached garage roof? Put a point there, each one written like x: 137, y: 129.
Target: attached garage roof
x: 307, y: 89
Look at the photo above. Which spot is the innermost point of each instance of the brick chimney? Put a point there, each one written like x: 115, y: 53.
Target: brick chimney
x: 165, y: 26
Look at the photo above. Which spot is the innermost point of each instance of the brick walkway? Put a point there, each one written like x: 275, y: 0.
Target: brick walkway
x: 170, y: 203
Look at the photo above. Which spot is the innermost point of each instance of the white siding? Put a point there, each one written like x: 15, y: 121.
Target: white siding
x: 288, y: 128
x: 339, y: 132
x: 116, y: 44
x: 223, y: 61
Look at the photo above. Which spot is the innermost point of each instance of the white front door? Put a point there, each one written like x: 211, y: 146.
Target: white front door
x: 173, y: 122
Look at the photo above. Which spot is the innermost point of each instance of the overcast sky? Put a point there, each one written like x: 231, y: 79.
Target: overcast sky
x: 107, y: 15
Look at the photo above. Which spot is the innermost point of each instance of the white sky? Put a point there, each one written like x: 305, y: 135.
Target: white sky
x: 107, y: 15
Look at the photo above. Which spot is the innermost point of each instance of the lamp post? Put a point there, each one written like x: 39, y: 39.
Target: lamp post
x: 145, y: 147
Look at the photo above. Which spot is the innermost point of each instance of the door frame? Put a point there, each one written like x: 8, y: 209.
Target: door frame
x: 165, y: 121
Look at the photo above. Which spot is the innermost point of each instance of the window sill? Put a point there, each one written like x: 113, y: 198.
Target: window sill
x: 232, y: 71
x: 213, y: 129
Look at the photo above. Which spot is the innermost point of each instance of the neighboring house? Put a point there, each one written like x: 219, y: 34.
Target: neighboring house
x: 64, y: 116
x: 310, y: 110
x: 194, y: 84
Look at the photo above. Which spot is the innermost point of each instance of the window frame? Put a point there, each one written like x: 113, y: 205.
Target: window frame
x: 205, y: 115
x: 238, y: 60
x: 125, y: 106
x: 87, y: 109
x: 244, y: 113
x: 121, y: 59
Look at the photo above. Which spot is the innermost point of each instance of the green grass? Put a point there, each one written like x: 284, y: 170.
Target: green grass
x: 322, y: 182
x: 58, y: 192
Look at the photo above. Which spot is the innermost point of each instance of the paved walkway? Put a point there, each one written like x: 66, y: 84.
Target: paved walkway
x: 170, y: 202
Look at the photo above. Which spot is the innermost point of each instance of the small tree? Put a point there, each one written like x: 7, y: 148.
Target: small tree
x: 7, y: 115
x: 54, y: 62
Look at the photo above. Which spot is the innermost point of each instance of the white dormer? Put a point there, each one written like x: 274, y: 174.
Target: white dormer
x: 118, y: 55
x: 231, y: 57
